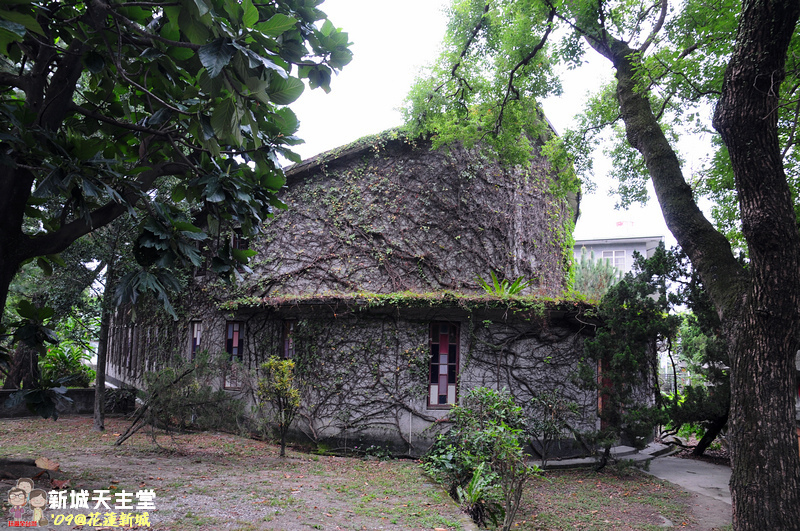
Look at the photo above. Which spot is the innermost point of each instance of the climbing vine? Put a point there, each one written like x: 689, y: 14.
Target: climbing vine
x: 389, y: 215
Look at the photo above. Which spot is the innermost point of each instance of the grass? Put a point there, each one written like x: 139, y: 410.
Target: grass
x: 583, y: 499
x: 223, y: 481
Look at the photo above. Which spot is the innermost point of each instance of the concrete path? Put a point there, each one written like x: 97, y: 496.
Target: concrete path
x: 694, y: 476
x: 707, y: 483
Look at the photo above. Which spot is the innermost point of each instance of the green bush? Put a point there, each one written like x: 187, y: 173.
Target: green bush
x: 65, y: 360
x: 486, y: 432
x: 480, y: 498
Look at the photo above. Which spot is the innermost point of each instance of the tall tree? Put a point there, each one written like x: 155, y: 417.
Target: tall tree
x: 666, y: 60
x: 174, y: 112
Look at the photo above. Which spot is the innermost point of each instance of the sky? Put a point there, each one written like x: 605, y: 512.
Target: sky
x: 392, y: 41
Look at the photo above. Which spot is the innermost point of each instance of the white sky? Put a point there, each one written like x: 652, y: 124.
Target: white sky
x: 391, y: 41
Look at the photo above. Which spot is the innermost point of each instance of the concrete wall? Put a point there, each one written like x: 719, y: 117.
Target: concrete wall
x: 82, y: 404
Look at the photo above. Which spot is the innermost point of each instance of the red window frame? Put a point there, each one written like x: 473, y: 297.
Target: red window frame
x: 234, y: 339
x: 444, y: 364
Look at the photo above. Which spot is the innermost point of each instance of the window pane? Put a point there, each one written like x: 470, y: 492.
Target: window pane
x: 443, y: 349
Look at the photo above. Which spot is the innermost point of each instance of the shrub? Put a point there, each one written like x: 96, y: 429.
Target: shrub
x: 486, y: 432
x: 277, y: 388
x: 187, y: 396
x: 65, y: 360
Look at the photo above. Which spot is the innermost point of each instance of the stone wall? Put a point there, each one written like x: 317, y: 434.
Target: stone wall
x: 392, y: 215
x: 365, y: 367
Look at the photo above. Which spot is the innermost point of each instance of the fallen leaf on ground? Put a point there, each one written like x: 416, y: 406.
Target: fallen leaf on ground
x: 47, y: 464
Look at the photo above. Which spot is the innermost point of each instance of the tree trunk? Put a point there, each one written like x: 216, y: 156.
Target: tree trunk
x: 765, y: 484
x: 102, y: 344
x: 12, y: 211
x: 711, y: 433
x: 759, y: 308
x: 24, y: 371
x: 100, y: 376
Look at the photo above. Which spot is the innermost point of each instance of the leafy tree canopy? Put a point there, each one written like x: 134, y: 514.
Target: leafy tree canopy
x: 500, y: 56
x: 672, y: 63
x: 173, y: 112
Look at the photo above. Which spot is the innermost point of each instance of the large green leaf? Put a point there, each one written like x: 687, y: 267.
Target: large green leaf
x: 287, y: 121
x: 215, y: 56
x: 202, y: 7
x: 12, y: 27
x: 250, y: 16
x: 285, y: 91
x: 27, y: 21
x: 276, y: 25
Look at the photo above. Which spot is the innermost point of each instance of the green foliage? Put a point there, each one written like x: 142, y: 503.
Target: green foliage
x: 550, y: 413
x: 505, y: 287
x: 621, y: 359
x: 704, y: 404
x: 52, y: 369
x: 487, y: 428
x: 277, y: 388
x: 466, y: 97
x: 175, y: 114
x: 187, y: 396
x: 593, y: 278
x: 65, y: 360
x: 479, y: 498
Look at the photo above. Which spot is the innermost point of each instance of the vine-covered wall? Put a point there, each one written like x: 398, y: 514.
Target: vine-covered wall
x: 364, y: 367
x: 388, y: 214
x: 407, y: 231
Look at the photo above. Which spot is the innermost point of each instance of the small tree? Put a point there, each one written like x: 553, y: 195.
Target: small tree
x: 184, y: 396
x: 621, y: 358
x: 278, y: 389
x: 706, y: 402
x: 593, y: 278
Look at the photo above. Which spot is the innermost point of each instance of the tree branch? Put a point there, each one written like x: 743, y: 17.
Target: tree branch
x: 466, y: 46
x: 528, y: 58
x: 709, y: 250
x: 123, y: 125
x: 659, y: 24
x: 55, y: 242
x: 13, y: 80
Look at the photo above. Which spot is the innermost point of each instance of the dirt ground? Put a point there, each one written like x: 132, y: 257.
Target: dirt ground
x: 221, y: 481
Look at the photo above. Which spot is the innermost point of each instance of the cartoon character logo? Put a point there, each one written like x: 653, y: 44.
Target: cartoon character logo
x: 18, y: 498
x: 38, y: 501
x: 25, y: 484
